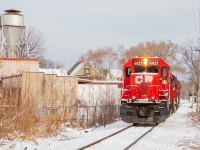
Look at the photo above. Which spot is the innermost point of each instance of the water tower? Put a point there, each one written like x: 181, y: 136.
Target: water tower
x: 12, y: 35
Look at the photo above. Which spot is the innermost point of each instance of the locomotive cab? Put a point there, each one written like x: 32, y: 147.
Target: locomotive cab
x: 147, y: 91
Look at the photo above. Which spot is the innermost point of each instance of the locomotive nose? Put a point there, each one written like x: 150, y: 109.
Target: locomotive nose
x: 144, y: 88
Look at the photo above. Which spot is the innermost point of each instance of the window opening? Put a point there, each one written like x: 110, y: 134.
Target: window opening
x: 128, y: 72
x: 152, y: 69
x: 86, y: 71
x: 139, y: 69
x: 164, y: 72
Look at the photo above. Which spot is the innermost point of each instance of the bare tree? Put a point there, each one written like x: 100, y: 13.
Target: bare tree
x: 93, y: 56
x: 191, y: 59
x: 101, y: 58
x: 186, y: 88
x: 167, y: 50
x: 105, y: 57
x: 36, y: 44
x: 49, y: 64
x: 120, y: 58
x: 109, y: 56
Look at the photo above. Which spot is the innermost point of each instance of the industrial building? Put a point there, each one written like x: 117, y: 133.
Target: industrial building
x: 21, y: 82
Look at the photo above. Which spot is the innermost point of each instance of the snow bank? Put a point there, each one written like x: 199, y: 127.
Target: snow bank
x: 96, y: 94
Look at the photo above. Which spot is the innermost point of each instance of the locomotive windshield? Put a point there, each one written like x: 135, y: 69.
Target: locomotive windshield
x: 149, y: 69
x: 139, y: 69
x: 152, y: 69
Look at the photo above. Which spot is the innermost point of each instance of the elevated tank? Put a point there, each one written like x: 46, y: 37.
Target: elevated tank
x: 12, y: 25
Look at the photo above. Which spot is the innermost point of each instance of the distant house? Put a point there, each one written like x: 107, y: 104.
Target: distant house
x: 84, y: 70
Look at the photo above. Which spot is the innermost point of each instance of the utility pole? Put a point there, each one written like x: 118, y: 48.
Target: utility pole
x: 198, y: 97
x: 192, y: 95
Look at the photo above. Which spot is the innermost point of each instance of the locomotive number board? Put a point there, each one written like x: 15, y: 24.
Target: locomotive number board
x: 150, y: 63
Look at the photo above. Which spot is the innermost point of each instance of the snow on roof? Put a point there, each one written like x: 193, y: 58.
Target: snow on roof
x: 58, y: 72
x: 77, y: 68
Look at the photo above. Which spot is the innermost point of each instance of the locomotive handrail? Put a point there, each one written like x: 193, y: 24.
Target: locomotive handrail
x: 161, y: 90
x: 128, y: 88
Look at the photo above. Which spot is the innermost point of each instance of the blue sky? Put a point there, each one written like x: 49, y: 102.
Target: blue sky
x: 71, y: 27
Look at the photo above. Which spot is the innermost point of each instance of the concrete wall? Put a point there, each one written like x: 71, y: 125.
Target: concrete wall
x: 48, y: 88
x: 14, y: 66
x: 10, y: 92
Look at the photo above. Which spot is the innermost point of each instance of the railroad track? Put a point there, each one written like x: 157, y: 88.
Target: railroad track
x: 135, y: 141
x: 102, y: 139
x: 118, y: 132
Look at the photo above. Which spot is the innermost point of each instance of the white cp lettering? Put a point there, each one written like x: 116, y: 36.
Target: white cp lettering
x: 139, y: 79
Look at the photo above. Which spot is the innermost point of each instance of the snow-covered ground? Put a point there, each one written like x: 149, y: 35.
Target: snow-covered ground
x: 177, y: 132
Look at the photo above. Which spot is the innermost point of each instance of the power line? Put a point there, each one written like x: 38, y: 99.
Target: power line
x: 194, y: 19
x: 199, y: 16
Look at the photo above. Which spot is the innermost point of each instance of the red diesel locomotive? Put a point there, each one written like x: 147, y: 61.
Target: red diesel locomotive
x: 150, y: 91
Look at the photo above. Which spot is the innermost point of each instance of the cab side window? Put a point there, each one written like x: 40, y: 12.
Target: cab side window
x: 128, y: 72
x: 164, y: 72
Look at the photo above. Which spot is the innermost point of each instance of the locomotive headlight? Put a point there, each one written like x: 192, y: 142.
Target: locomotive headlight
x: 145, y: 61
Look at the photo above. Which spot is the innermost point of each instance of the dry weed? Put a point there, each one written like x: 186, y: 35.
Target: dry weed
x: 195, y: 118
x: 193, y: 144
x: 188, y: 142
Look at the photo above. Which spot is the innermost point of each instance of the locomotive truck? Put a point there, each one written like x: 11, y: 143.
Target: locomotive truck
x: 150, y: 91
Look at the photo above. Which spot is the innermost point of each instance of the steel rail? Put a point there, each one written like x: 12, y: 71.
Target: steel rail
x: 130, y: 145
x: 102, y: 139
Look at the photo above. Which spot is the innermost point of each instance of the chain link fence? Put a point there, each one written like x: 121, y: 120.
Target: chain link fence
x: 97, y: 115
x: 83, y: 116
